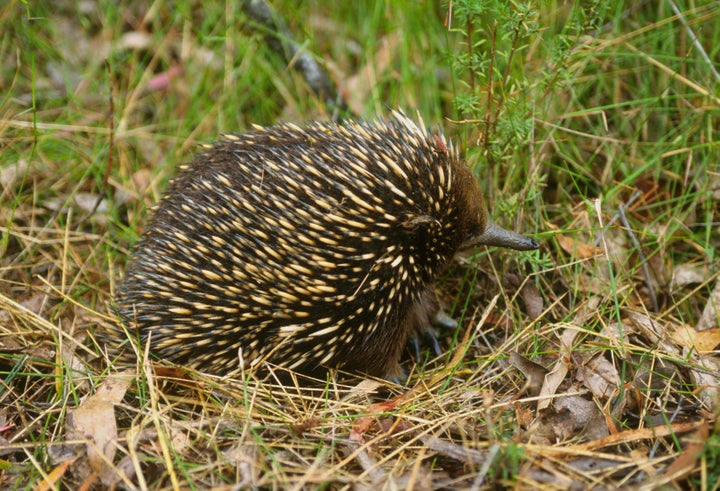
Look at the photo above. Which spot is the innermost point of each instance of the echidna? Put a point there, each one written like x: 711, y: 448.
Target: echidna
x: 309, y: 247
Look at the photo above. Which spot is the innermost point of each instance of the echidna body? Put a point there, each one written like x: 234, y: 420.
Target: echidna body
x: 309, y: 247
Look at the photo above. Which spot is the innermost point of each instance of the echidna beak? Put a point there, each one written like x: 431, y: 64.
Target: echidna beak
x: 497, y: 236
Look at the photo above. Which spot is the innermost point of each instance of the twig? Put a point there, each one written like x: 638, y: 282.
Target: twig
x: 455, y: 451
x: 370, y: 466
x: 483, y: 471
x: 643, y: 259
x: 281, y: 40
x: 632, y: 200
x: 695, y: 41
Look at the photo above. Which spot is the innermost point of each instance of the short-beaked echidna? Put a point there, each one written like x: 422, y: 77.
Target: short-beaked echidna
x: 309, y: 247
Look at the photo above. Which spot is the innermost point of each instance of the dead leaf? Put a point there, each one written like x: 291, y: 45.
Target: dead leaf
x: 364, y: 423
x: 529, y: 294
x: 586, y: 416
x: 534, y: 373
x: 576, y: 248
x: 303, y: 426
x: 175, y: 373
x: 558, y: 373
x: 685, y: 463
x: 599, y: 375
x: 711, y: 313
x: 687, y: 274
x: 706, y: 379
x: 10, y: 174
x: 553, y: 425
x: 551, y: 383
x: 701, y: 341
x: 645, y: 326
x: 364, y: 388
x: 94, y: 422
x: 54, y: 476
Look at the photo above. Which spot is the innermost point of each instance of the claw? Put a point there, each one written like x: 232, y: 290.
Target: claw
x: 415, y: 340
x: 423, y: 321
x: 431, y: 337
x: 441, y: 319
x: 397, y: 375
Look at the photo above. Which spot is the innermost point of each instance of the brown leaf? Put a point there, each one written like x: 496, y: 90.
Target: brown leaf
x: 685, y: 463
x: 94, y: 421
x: 534, y: 373
x: 599, y: 375
x: 709, y: 316
x: 530, y: 295
x: 702, y: 341
x: 54, y: 476
x: 174, y: 373
x: 364, y: 423
x: 303, y: 426
x: 391, y: 426
x: 568, y: 418
x: 560, y: 370
x: 687, y: 274
x: 576, y: 248
x: 587, y: 418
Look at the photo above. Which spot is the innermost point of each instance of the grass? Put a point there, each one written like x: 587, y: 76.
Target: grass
x: 591, y: 362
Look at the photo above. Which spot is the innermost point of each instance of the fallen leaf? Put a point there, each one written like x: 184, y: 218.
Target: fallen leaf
x: 529, y: 294
x: 599, y: 375
x: 534, y: 373
x: 701, y: 341
x: 557, y: 374
x: 94, y: 422
x: 586, y: 416
x: 54, y: 476
x: 364, y: 423
x: 687, y: 274
x: 534, y: 305
x: 13, y: 173
x: 710, y: 315
x: 685, y: 463
x: 551, y: 382
x: 576, y: 248
x: 303, y: 426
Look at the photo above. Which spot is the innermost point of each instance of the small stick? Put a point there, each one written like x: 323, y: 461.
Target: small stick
x: 643, y: 259
x: 281, y: 40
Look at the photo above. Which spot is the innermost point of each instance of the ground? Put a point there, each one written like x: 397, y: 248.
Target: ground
x: 590, y: 363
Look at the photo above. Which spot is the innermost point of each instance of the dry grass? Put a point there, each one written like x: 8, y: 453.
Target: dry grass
x: 592, y: 363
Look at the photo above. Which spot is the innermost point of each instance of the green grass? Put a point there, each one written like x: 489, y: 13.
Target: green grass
x: 592, y: 125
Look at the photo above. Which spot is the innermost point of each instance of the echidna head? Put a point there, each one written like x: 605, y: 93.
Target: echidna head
x: 480, y: 230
